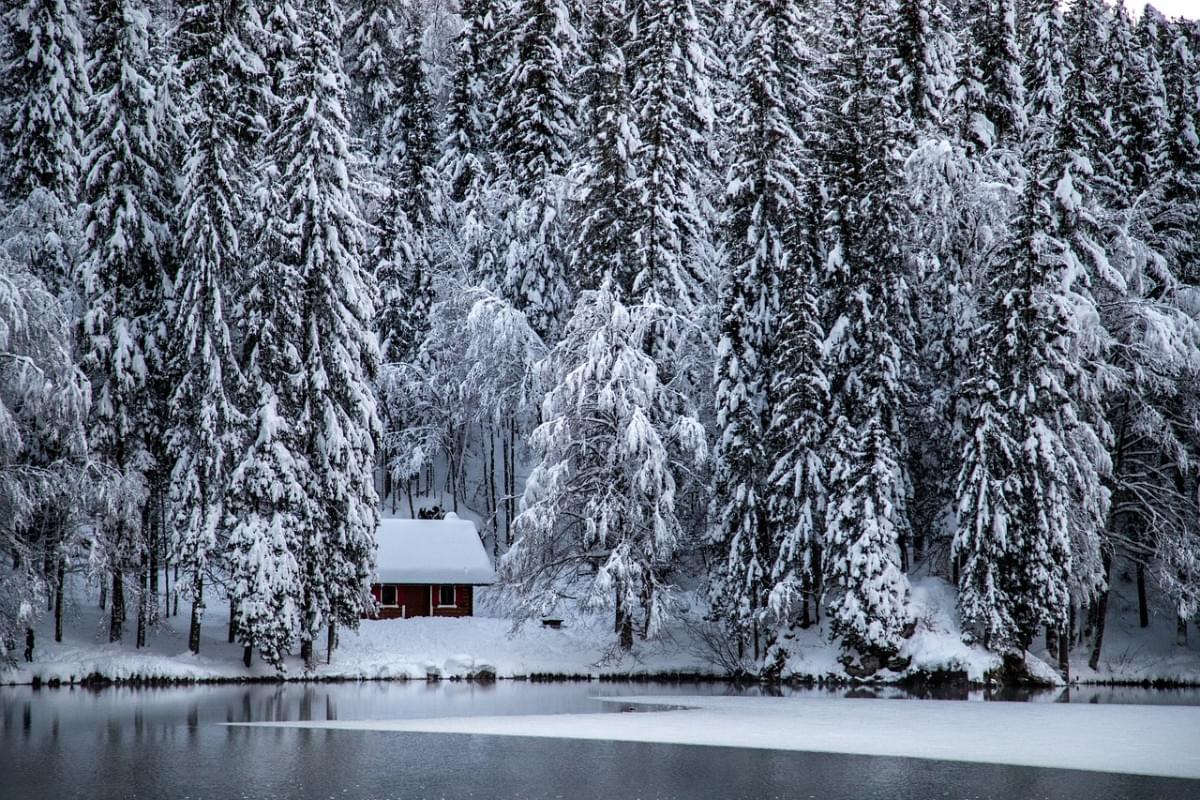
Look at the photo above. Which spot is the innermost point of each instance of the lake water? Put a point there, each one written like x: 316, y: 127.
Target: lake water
x: 168, y: 743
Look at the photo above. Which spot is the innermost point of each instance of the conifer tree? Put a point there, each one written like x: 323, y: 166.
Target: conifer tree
x: 338, y: 353
x: 863, y: 134
x: 757, y: 583
x: 403, y: 261
x: 1044, y: 67
x: 667, y: 62
x: 990, y: 94
x: 43, y: 93
x: 926, y: 59
x: 471, y: 107
x: 603, y: 245
x: 532, y: 133
x: 205, y: 423
x: 123, y: 284
x: 374, y: 31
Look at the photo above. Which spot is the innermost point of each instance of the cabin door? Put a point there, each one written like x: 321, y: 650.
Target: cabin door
x: 415, y: 601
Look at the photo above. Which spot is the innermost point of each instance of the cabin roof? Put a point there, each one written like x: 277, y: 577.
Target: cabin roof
x: 431, y: 551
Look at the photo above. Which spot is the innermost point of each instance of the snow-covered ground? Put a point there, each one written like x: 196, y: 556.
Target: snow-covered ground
x: 419, y: 648
x: 1140, y: 740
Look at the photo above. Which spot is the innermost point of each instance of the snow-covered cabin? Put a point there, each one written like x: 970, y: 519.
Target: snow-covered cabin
x: 429, y: 568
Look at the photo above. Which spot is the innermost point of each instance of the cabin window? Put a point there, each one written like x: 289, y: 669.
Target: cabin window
x: 445, y: 595
x: 388, y: 596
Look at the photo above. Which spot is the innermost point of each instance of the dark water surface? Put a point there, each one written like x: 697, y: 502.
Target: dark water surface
x: 168, y: 743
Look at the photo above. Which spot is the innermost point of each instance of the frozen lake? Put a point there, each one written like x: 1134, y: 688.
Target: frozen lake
x: 169, y: 743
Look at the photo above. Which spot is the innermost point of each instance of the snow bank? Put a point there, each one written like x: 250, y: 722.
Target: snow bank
x: 1140, y: 740
x: 486, y: 645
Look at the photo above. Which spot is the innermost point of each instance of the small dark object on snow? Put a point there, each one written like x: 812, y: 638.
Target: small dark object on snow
x: 552, y: 623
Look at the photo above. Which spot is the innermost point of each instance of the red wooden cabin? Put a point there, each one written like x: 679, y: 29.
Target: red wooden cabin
x: 428, y: 568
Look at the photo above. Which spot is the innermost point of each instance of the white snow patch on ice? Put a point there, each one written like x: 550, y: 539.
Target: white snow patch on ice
x: 1139, y: 740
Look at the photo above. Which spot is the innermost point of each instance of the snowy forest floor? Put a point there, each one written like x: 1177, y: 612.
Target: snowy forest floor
x: 585, y: 646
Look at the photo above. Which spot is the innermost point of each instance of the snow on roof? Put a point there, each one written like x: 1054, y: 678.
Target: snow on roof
x: 431, y: 551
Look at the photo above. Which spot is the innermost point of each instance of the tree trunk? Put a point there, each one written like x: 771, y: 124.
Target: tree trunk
x: 247, y: 655
x: 1181, y: 631
x: 103, y: 594
x: 232, y: 621
x: 330, y: 642
x: 152, y: 600
x: 175, y: 579
x: 117, y: 619
x: 142, y: 606
x: 1064, y: 655
x: 1143, y: 608
x: 510, y: 489
x: 60, y: 577
x: 492, y: 501
x: 197, y: 615
x: 1101, y: 612
x: 166, y: 586
x: 306, y: 651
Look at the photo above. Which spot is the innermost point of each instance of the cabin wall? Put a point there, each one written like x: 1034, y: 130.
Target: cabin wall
x: 421, y: 600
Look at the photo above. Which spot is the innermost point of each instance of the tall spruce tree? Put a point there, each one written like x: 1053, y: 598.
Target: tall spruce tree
x: 43, y: 99
x: 667, y: 61
x: 757, y: 584
x: 470, y: 109
x: 603, y: 244
x: 864, y: 139
x: 532, y: 132
x: 403, y: 257
x: 123, y: 282
x: 338, y: 354
x: 204, y: 433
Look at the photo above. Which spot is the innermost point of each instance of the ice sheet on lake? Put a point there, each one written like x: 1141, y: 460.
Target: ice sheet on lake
x: 1142, y: 740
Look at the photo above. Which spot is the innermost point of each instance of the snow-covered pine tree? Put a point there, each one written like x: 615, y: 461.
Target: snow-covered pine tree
x: 1018, y: 485
x: 269, y: 507
x: 1032, y: 501
x: 864, y: 138
x: 924, y: 39
x: 599, y: 513
x: 990, y: 92
x: 43, y: 101
x: 1181, y: 78
x: 667, y: 58
x: 1085, y: 28
x: 204, y: 433
x: 123, y: 284
x: 403, y: 261
x: 339, y: 355
x: 755, y: 590
x: 1044, y: 68
x: 471, y: 109
x: 532, y: 133
x: 798, y: 399
x: 374, y: 29
x: 603, y: 243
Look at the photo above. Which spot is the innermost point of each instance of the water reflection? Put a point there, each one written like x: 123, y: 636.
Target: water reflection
x: 167, y: 743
